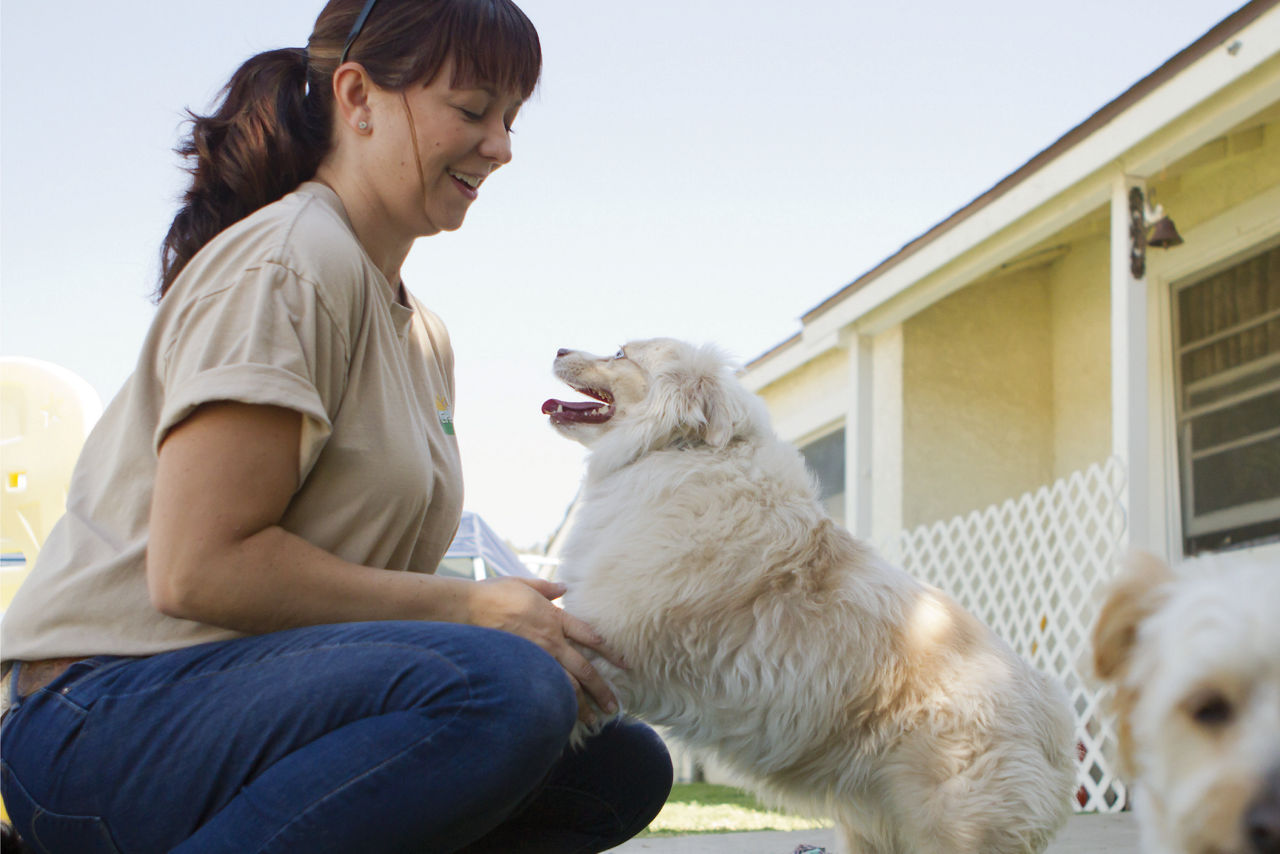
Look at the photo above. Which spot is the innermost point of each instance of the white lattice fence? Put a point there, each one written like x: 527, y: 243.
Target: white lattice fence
x: 1031, y: 568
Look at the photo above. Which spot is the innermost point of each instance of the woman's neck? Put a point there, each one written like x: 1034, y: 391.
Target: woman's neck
x: 372, y: 225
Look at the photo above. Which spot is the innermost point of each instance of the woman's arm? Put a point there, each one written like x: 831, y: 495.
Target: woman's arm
x: 218, y: 555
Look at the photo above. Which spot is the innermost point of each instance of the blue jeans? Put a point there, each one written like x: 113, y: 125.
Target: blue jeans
x: 369, y: 737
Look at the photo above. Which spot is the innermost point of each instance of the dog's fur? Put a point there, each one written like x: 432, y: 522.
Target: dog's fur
x: 755, y: 627
x: 1195, y: 660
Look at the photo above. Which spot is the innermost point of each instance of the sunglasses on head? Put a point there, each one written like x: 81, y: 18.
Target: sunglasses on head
x: 355, y: 29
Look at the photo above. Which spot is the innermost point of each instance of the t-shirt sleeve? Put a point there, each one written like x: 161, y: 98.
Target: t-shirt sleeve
x: 267, y: 338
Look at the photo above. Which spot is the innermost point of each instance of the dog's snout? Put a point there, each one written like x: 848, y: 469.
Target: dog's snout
x: 562, y: 352
x: 1262, y: 819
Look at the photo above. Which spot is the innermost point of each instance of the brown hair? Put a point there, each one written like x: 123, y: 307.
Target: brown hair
x: 273, y: 123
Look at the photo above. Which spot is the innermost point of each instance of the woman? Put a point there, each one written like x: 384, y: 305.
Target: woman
x: 211, y: 654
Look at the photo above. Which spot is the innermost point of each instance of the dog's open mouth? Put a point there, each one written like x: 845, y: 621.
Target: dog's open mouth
x: 583, y: 411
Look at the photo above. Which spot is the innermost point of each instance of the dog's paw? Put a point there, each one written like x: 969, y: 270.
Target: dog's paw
x: 583, y: 731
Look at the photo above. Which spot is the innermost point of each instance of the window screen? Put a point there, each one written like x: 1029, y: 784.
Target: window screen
x: 1227, y: 371
x: 825, y: 458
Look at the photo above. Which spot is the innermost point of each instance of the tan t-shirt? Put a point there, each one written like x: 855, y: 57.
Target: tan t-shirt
x: 282, y: 308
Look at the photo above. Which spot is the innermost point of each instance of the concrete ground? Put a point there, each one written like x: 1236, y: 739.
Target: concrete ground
x: 1084, y: 834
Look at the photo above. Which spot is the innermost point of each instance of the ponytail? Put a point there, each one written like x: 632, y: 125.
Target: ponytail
x: 266, y: 136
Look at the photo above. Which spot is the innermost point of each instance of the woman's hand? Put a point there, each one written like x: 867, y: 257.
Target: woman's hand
x: 523, y: 607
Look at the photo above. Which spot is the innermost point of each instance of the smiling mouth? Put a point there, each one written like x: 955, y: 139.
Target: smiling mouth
x: 472, y: 182
x: 583, y: 411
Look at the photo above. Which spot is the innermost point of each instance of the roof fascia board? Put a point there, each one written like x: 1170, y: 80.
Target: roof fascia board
x: 773, y: 364
x: 791, y: 355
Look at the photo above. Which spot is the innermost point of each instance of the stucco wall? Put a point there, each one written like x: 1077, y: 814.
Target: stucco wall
x: 977, y: 397
x: 1080, y: 311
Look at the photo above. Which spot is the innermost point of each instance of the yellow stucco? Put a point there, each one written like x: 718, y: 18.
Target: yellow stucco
x: 977, y: 397
x: 1080, y: 307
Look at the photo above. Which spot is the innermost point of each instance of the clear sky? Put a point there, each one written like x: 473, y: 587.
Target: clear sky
x: 703, y: 169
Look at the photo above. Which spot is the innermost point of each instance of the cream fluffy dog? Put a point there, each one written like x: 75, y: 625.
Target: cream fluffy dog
x: 1195, y: 659
x: 755, y: 627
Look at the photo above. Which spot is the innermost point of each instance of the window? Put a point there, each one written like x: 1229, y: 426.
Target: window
x: 825, y: 458
x: 1226, y: 329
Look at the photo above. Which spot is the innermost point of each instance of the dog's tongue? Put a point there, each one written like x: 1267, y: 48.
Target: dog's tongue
x: 585, y: 411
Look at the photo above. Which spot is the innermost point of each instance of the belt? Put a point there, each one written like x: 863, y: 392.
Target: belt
x: 34, y: 675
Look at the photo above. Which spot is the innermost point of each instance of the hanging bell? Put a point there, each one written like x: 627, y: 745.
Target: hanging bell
x: 1164, y: 234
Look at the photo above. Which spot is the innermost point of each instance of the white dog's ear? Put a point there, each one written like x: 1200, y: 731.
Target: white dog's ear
x: 692, y: 396
x: 1137, y: 594
x: 695, y: 397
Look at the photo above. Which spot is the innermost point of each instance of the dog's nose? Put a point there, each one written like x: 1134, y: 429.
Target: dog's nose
x: 562, y: 352
x: 1262, y: 820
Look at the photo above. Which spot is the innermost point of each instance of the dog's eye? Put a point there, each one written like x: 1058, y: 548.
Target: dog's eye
x: 619, y: 354
x: 1211, y: 709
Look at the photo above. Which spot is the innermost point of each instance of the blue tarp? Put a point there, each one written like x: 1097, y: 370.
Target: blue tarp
x: 475, y: 539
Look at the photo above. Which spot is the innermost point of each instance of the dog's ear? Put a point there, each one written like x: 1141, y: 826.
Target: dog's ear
x: 1138, y: 593
x: 696, y: 398
x: 692, y: 396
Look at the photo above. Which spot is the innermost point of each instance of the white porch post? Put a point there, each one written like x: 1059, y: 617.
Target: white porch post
x: 857, y: 437
x: 887, y: 437
x: 1129, y: 369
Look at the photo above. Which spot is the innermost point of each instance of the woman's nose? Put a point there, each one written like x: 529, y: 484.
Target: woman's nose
x: 496, y: 144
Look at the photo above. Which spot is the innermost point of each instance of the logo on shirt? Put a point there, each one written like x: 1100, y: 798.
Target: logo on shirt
x: 445, y: 411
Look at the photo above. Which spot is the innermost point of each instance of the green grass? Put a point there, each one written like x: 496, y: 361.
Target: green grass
x: 708, y: 808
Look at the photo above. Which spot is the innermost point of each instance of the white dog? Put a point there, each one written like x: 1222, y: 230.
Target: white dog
x: 757, y: 628
x: 1196, y: 664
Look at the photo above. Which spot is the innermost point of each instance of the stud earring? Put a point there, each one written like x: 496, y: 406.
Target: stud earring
x: 363, y: 125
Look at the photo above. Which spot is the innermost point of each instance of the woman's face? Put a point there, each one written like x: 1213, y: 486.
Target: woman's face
x: 462, y: 135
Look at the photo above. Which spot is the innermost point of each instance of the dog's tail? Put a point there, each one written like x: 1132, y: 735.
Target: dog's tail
x: 9, y: 841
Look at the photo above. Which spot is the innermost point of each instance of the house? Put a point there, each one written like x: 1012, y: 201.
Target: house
x: 1041, y: 381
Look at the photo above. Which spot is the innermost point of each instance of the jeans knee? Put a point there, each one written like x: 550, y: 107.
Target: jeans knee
x: 542, y: 696
x: 651, y: 774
